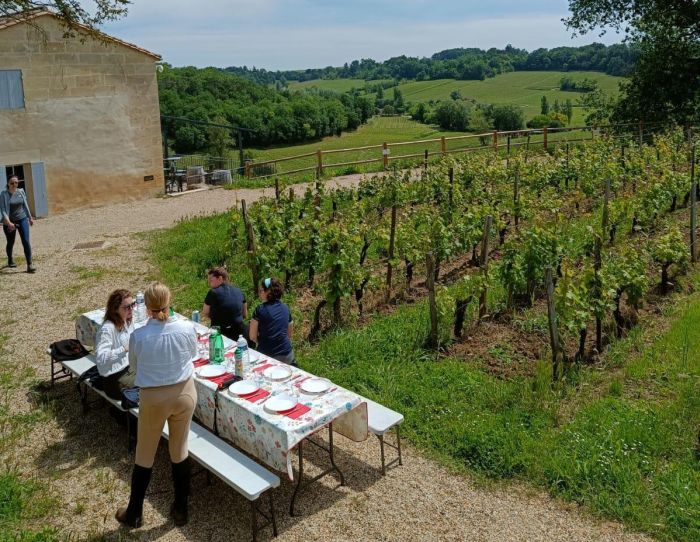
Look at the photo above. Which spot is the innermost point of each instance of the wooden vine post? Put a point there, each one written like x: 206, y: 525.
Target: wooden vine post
x: 516, y: 197
x: 495, y: 141
x: 277, y: 189
x: 485, y: 264
x: 451, y: 174
x: 606, y: 208
x: 693, y: 208
x: 432, y: 302
x: 392, y: 243
x: 385, y: 155
x: 250, y: 238
x: 597, y: 264
x: 319, y: 163
x: 552, y: 317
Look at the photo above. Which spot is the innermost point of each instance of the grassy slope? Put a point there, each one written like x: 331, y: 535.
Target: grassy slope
x: 620, y: 440
x: 520, y: 88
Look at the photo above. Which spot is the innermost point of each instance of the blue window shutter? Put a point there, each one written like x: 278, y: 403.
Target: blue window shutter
x: 11, y: 89
x: 41, y: 200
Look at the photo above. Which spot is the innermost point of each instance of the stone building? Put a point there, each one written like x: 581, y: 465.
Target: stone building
x: 79, y: 116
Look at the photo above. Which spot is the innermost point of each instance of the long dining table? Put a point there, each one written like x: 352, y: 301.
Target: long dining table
x: 268, y: 436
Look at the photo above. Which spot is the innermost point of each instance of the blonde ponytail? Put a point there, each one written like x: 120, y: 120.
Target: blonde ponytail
x: 157, y: 297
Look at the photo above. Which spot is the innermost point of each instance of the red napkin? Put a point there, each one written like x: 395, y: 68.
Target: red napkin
x: 262, y: 368
x: 218, y: 380
x: 296, y: 412
x: 201, y: 361
x: 256, y: 395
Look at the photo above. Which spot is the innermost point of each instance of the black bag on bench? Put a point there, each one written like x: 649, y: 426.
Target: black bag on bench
x: 93, y: 376
x: 67, y: 349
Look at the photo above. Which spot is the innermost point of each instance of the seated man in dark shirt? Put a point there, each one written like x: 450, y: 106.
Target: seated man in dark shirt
x: 225, y: 305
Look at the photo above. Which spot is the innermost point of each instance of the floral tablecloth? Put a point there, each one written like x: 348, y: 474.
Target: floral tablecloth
x: 267, y: 436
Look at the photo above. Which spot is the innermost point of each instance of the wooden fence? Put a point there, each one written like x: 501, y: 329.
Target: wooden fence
x: 382, y: 155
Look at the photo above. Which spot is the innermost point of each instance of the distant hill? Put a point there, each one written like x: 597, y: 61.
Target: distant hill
x: 462, y: 64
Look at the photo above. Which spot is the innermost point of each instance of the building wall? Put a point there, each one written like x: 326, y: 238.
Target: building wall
x: 91, y: 115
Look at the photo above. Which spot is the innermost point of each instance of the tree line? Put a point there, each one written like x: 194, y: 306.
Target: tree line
x: 212, y: 95
x: 463, y: 64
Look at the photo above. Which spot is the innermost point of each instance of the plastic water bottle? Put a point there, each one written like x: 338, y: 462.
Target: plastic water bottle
x: 140, y: 312
x: 242, y: 345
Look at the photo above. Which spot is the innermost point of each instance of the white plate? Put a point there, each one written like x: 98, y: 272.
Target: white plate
x: 211, y: 371
x: 280, y: 403
x: 315, y: 385
x: 243, y: 387
x: 253, y: 355
x: 278, y: 372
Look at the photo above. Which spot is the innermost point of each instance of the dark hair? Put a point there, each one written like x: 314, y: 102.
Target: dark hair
x: 115, y: 300
x: 273, y: 289
x: 219, y: 273
x: 7, y: 185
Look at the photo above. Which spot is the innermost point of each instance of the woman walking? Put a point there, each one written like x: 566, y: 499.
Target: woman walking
x: 15, y: 215
x: 161, y: 353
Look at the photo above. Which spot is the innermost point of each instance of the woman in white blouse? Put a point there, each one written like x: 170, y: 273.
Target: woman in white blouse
x: 111, y: 353
x: 161, y: 353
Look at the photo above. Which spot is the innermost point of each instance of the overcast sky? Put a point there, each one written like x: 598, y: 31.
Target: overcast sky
x: 292, y: 34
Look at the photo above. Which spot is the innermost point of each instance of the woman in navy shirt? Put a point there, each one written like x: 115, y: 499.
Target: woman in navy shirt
x: 271, y: 325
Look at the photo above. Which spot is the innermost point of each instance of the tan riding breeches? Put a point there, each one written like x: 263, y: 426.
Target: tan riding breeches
x: 175, y: 404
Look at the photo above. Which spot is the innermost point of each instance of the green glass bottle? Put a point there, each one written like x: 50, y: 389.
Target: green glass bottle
x: 216, y: 346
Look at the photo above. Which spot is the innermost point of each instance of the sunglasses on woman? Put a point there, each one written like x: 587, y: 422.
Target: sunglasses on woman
x: 129, y: 306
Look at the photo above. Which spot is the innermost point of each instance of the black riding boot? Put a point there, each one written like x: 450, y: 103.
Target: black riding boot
x: 181, y: 481
x: 132, y: 515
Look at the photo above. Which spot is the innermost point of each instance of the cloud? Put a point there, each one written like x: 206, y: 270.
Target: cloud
x: 271, y: 42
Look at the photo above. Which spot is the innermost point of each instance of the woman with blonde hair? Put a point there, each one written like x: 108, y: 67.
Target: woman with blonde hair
x: 161, y: 354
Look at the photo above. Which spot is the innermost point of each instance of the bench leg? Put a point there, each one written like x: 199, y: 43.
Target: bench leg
x: 58, y: 372
x: 398, y: 442
x: 254, y: 520
x: 381, y: 448
x: 272, y: 513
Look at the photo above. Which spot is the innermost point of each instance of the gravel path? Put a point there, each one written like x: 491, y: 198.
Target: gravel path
x: 84, y: 462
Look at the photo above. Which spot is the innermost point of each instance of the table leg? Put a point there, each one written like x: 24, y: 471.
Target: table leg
x: 333, y: 467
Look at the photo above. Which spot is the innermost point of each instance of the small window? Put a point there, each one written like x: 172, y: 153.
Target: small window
x: 11, y: 91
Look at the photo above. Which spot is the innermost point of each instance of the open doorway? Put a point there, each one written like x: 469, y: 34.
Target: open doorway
x: 16, y: 170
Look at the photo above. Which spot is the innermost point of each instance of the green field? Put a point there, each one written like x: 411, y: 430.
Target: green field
x: 520, y: 88
x: 337, y: 85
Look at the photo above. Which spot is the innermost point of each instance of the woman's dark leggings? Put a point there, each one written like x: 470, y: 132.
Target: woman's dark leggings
x: 23, y: 227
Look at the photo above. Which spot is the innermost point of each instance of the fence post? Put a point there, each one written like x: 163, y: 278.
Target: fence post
x: 385, y: 155
x: 443, y: 146
x: 248, y: 168
x: 430, y: 282
x: 277, y: 189
x: 484, y: 264
x: 319, y: 160
x: 693, y: 209
x: 392, y: 242
x: 552, y: 317
x: 495, y: 141
x: 544, y: 135
x: 508, y: 146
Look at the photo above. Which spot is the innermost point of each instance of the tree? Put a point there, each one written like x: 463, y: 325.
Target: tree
x: 72, y: 13
x: 544, y: 109
x: 452, y: 115
x: 219, y: 138
x: 456, y: 95
x: 665, y: 82
x: 479, y: 123
x: 568, y: 110
x: 507, y: 117
x: 398, y: 100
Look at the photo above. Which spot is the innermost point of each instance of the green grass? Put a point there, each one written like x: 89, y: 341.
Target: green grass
x: 337, y: 85
x: 619, y: 439
x: 523, y: 88
x: 21, y: 499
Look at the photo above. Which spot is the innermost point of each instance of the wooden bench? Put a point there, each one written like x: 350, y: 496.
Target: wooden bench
x: 380, y: 420
x: 234, y: 468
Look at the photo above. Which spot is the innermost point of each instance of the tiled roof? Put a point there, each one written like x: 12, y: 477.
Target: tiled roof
x: 6, y: 22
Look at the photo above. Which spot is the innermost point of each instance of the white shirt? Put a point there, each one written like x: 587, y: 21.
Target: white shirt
x: 110, y: 354
x: 161, y: 353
